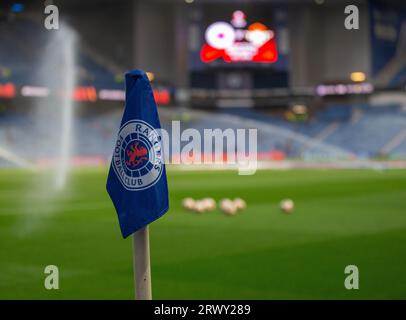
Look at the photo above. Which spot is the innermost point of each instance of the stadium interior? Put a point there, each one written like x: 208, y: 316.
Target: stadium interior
x: 304, y: 101
x: 319, y: 94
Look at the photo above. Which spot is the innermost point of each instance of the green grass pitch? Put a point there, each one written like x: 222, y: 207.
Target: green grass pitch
x: 343, y: 217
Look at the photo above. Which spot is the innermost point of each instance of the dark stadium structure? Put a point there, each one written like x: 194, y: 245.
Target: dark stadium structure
x: 305, y: 104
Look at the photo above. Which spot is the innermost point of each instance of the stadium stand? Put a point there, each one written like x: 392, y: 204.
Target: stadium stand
x: 23, y: 42
x: 360, y: 129
x: 338, y: 131
x: 94, y: 132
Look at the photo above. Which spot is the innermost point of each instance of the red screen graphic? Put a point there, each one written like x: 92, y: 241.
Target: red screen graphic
x: 232, y: 43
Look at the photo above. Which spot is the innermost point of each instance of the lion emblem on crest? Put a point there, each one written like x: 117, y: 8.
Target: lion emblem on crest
x: 136, y: 155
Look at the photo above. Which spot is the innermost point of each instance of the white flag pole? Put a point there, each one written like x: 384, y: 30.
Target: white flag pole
x: 142, y: 266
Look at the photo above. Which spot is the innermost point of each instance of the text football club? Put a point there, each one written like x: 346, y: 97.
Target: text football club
x: 138, y: 157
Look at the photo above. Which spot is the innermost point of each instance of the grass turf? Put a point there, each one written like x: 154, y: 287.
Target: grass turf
x: 342, y: 217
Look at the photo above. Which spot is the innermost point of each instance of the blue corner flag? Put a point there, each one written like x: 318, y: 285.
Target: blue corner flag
x: 137, y: 179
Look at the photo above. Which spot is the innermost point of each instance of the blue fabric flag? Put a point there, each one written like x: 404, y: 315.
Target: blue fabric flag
x: 137, y: 178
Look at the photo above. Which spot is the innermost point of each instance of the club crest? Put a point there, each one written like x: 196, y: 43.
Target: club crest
x: 138, y: 158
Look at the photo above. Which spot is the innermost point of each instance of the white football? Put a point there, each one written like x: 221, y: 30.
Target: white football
x: 287, y: 205
x: 228, y: 207
x: 199, y: 206
x: 209, y: 203
x: 188, y: 203
x: 240, y: 204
